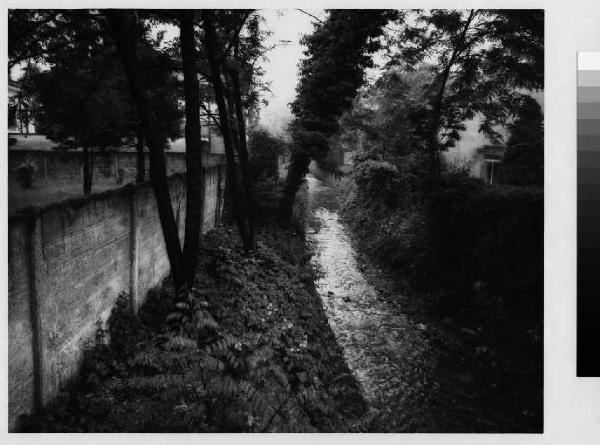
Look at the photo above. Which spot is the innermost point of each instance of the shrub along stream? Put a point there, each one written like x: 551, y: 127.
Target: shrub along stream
x: 468, y: 263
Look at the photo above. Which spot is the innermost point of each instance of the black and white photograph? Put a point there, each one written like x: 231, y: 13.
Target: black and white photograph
x: 276, y: 220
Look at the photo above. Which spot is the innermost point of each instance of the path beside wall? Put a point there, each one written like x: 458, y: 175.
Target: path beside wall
x: 69, y: 261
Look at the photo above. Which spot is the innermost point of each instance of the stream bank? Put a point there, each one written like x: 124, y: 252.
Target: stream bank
x: 420, y: 372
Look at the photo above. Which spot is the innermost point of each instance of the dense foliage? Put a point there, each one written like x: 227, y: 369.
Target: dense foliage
x: 81, y: 94
x: 523, y: 163
x: 454, y: 240
x: 481, y: 60
x: 247, y: 350
x: 338, y: 52
x: 265, y: 150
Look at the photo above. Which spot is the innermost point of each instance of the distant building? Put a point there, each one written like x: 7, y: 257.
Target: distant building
x: 341, y: 155
x: 212, y: 134
x: 211, y: 137
x: 487, y: 161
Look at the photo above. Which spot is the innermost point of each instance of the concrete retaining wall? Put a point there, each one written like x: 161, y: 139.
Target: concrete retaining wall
x: 68, y: 262
x: 64, y: 165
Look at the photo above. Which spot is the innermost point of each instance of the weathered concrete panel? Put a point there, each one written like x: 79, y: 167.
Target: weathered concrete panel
x: 211, y: 196
x: 20, y: 333
x: 72, y: 260
x: 67, y: 165
x: 82, y: 269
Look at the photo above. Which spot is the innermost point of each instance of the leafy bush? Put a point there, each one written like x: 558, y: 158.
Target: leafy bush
x: 491, y: 235
x: 464, y: 236
x: 266, y: 193
x: 377, y: 178
x: 523, y: 164
x: 265, y: 150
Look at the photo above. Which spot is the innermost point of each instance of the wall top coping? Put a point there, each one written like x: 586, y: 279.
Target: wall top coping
x: 208, y: 159
x: 33, y: 212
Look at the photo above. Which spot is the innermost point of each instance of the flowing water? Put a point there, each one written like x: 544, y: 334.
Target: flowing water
x: 386, y: 352
x: 413, y: 375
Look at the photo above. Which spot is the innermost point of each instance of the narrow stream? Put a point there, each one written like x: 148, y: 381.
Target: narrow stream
x: 387, y: 353
x: 415, y: 373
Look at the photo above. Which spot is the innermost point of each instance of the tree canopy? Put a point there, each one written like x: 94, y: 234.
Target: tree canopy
x: 482, y: 60
x: 338, y: 52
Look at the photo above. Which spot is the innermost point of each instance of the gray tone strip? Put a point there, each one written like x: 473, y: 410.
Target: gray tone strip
x: 588, y: 78
x: 588, y: 94
x: 588, y: 159
x: 588, y: 111
x: 589, y: 176
x: 588, y: 127
x: 588, y: 143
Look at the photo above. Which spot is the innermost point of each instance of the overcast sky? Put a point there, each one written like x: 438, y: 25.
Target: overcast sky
x: 282, y: 67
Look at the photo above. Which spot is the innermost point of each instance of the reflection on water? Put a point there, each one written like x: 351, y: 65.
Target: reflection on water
x: 384, y: 350
x: 410, y: 384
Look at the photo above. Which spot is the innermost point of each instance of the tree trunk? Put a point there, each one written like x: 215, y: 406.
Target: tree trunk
x: 87, y: 170
x: 140, y: 156
x: 219, y: 91
x: 243, y: 177
x: 123, y: 27
x: 434, y: 126
x: 243, y: 155
x: 296, y: 171
x: 193, y: 145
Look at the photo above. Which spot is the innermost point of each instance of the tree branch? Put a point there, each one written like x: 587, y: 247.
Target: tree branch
x: 313, y: 16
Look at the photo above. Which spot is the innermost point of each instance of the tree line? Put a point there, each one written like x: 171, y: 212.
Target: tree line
x: 110, y: 80
x: 113, y: 79
x: 478, y: 62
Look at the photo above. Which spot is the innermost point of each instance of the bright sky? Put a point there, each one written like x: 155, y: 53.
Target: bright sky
x: 282, y: 67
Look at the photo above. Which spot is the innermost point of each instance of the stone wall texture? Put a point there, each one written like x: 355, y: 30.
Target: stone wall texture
x: 66, y: 165
x: 68, y: 262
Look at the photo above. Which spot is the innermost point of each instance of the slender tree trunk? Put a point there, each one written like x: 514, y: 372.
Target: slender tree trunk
x: 232, y: 177
x: 296, y: 172
x: 87, y: 170
x: 123, y: 27
x: 434, y: 126
x: 193, y: 145
x: 242, y: 179
x: 243, y: 155
x: 140, y: 156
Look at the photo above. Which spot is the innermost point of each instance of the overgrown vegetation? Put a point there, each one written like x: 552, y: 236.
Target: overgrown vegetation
x: 265, y: 150
x: 455, y: 240
x: 465, y: 257
x: 247, y: 349
x: 338, y: 53
x: 465, y: 239
x: 108, y: 78
x: 237, y: 340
